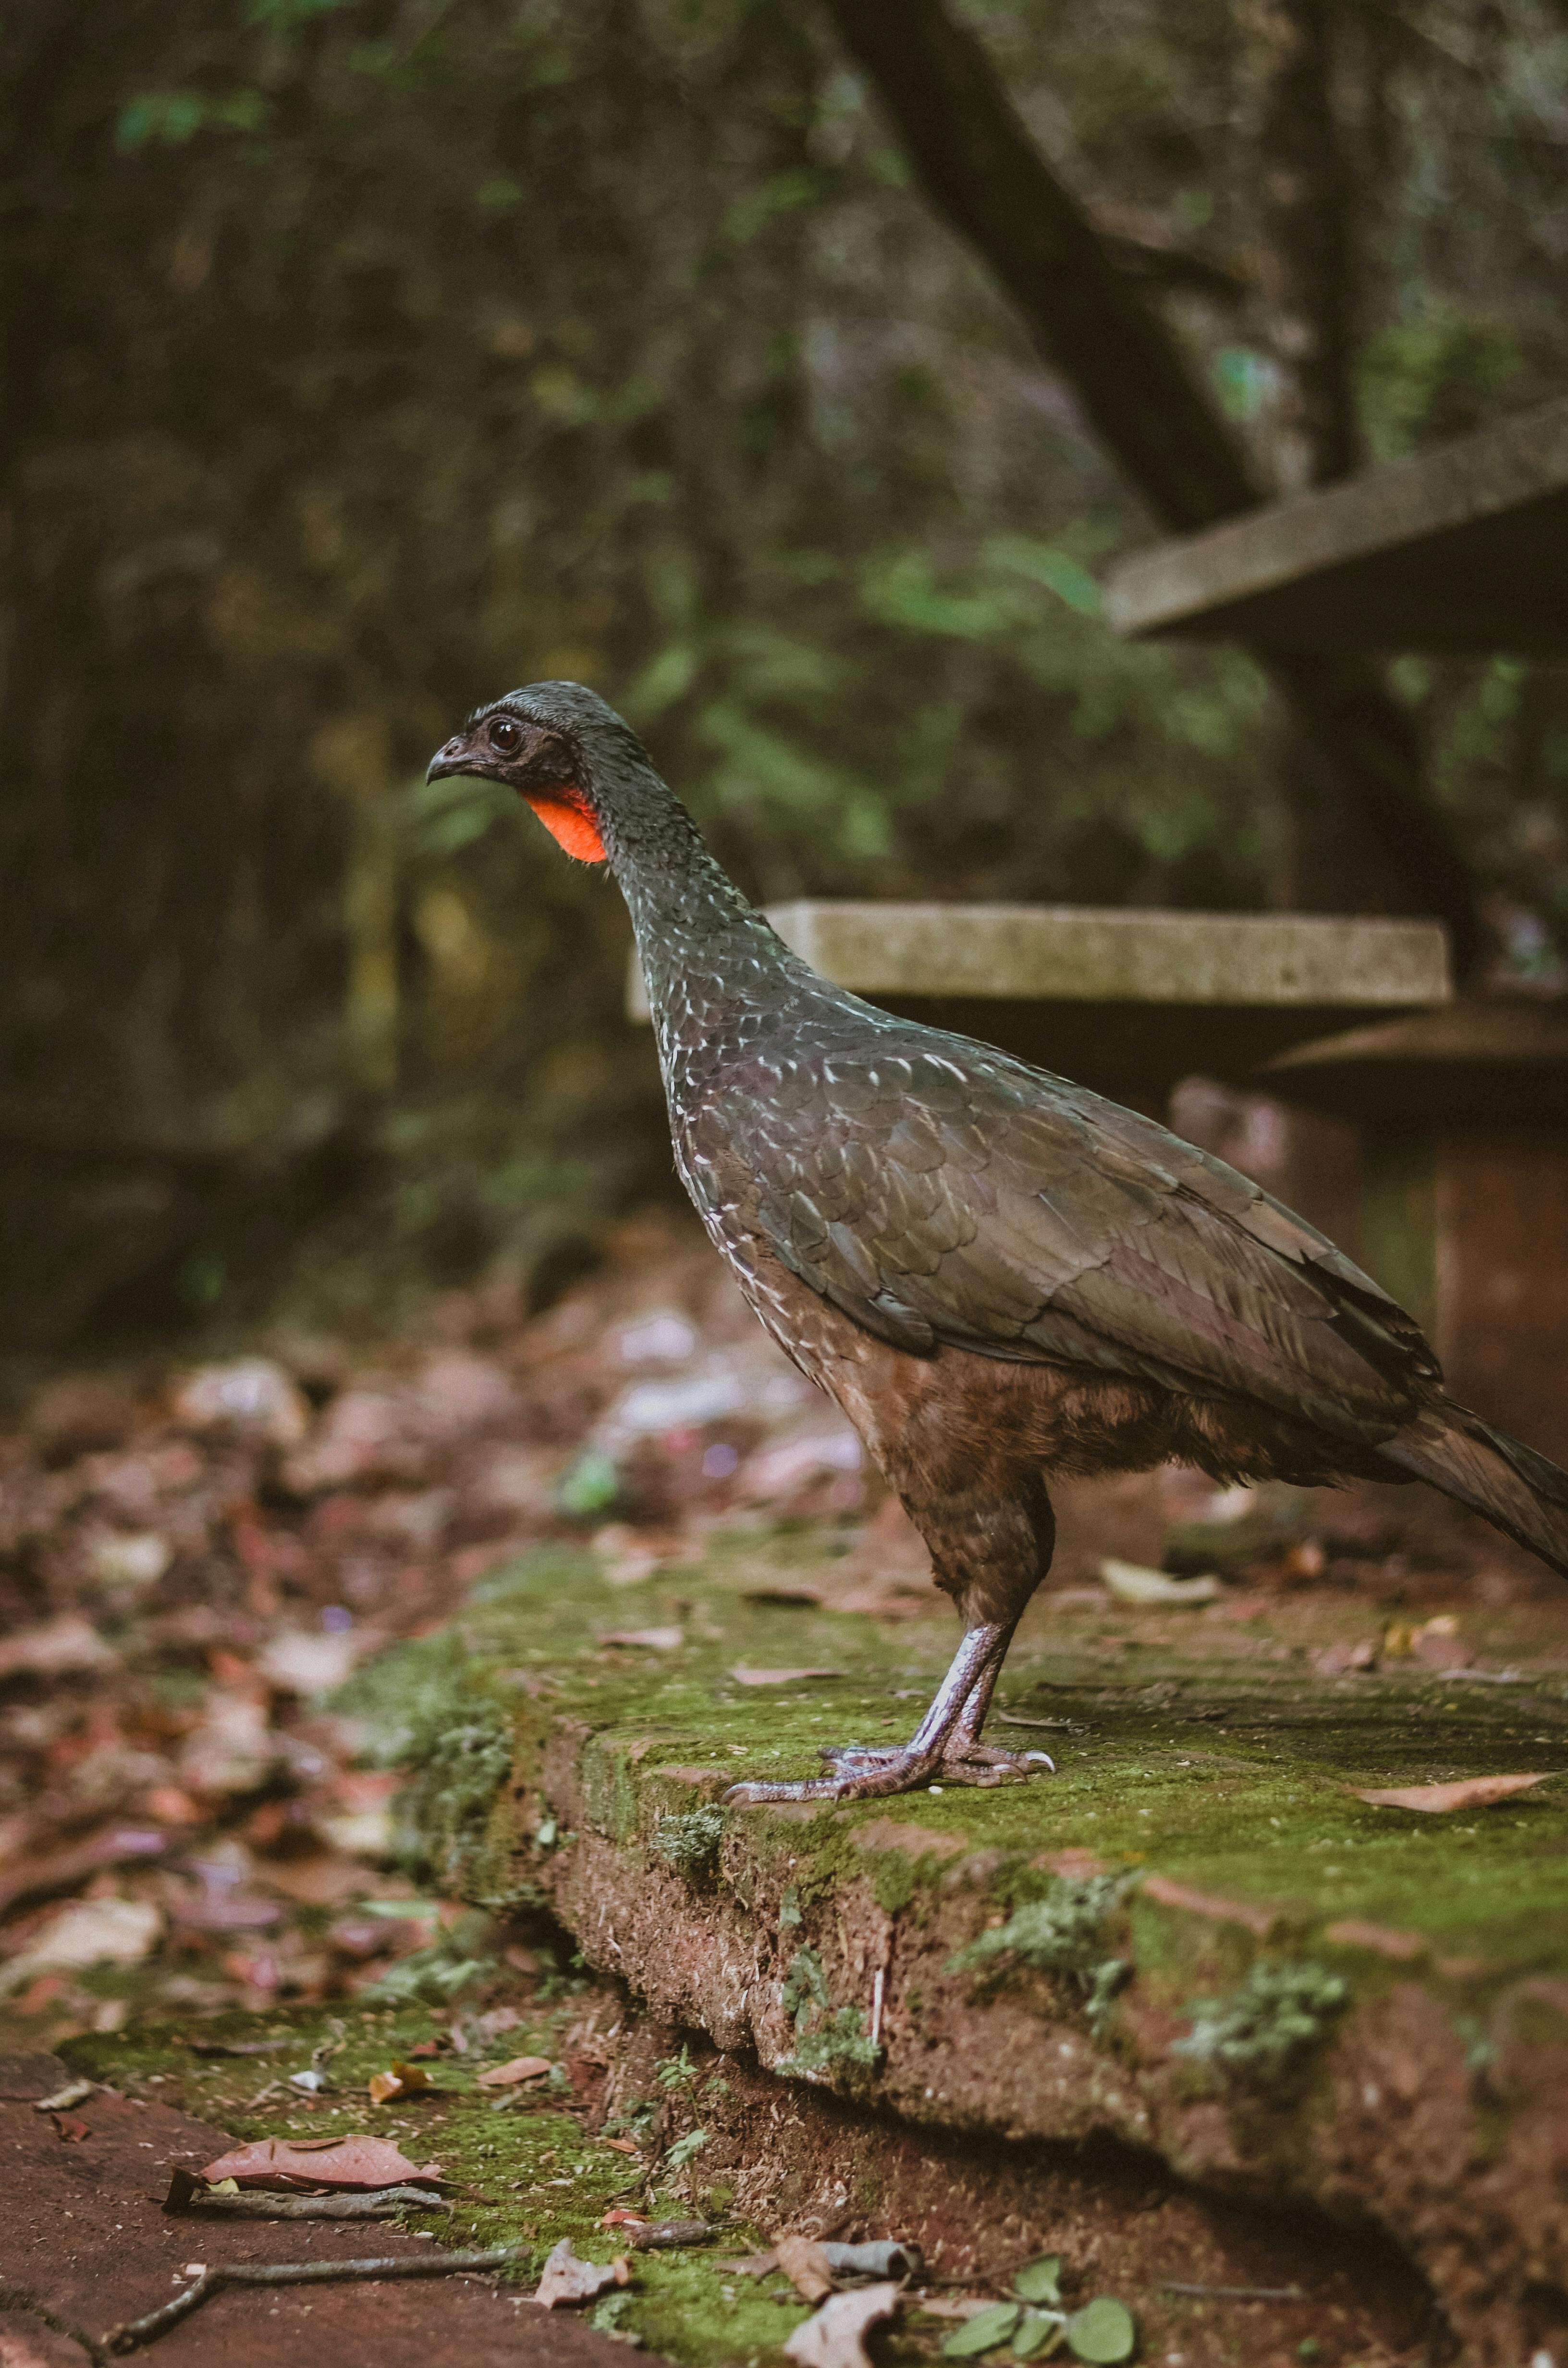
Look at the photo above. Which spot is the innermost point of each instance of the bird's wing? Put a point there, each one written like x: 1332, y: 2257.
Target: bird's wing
x: 951, y: 1196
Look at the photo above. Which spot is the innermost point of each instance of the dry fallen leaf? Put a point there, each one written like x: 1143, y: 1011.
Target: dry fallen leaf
x: 486, y: 2027
x: 1130, y: 1583
x: 399, y: 2080
x: 521, y: 2068
x: 1468, y: 1793
x: 1338, y: 1660
x: 621, y: 2146
x: 749, y: 1676
x: 357, y: 2161
x: 107, y: 1932
x: 62, y: 1647
x: 834, y: 2337
x: 806, y: 2266
x: 565, y: 2279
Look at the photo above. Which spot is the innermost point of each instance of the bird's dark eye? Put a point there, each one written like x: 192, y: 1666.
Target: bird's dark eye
x: 505, y: 735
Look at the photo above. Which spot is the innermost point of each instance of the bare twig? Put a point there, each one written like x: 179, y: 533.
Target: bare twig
x: 135, y: 2332
x: 238, y: 2047
x: 664, y: 2236
x: 383, y: 2206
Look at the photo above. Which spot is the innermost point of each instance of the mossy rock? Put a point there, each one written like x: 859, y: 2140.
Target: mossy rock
x: 1195, y: 1938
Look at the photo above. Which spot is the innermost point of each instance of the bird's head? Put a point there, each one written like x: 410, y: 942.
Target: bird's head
x: 561, y: 748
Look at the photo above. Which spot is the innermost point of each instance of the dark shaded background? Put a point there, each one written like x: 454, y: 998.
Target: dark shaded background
x: 368, y: 357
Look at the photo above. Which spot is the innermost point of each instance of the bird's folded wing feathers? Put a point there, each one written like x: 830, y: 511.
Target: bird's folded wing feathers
x: 975, y: 1202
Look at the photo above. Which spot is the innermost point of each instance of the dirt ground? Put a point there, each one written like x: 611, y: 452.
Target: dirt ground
x: 87, y: 2243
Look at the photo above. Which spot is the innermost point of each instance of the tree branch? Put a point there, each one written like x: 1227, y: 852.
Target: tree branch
x: 983, y: 174
x: 982, y: 171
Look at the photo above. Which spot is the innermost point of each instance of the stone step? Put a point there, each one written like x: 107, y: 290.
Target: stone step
x: 1195, y: 1938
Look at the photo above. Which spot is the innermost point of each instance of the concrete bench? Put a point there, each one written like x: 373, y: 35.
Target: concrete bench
x: 1125, y: 1000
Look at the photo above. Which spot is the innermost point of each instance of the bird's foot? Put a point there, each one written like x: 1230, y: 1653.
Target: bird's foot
x: 959, y: 1763
x: 868, y: 1772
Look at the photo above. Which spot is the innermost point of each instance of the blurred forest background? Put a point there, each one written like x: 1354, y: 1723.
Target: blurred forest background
x: 368, y: 357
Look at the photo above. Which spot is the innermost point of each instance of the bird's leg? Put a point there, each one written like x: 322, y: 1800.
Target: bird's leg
x: 965, y: 1759
x: 944, y: 1744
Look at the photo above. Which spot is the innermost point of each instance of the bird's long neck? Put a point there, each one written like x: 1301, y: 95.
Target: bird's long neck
x: 709, y: 957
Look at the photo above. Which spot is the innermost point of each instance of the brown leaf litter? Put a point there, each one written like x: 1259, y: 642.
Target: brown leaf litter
x: 1437, y: 1800
x: 298, y: 2163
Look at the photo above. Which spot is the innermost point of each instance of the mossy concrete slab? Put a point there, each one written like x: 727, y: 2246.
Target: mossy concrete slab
x: 1194, y: 1938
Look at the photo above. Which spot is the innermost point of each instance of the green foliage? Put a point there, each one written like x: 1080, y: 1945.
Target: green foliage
x: 1245, y: 381
x: 839, y: 2043
x: 607, y: 2316
x: 1436, y: 376
x: 684, y: 2150
x: 986, y: 2331
x: 1267, y: 2026
x: 1040, y: 2281
x: 1057, y: 1934
x: 675, y: 2072
x: 690, y: 1842
x: 421, y: 1710
x: 433, y: 1974
x: 829, y: 2042
x: 589, y: 1486
x: 805, y: 1985
x: 1060, y: 1933
x: 168, y: 118
x: 1102, y: 2331
x: 1105, y: 1984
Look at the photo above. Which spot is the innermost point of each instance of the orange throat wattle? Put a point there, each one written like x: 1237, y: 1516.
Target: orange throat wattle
x: 569, y: 823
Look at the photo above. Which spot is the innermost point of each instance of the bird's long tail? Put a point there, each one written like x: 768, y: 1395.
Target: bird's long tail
x: 1507, y: 1483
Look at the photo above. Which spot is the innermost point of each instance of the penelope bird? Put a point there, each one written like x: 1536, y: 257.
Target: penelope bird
x: 996, y: 1273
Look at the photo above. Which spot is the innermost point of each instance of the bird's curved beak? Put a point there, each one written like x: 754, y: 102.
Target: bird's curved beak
x: 460, y: 756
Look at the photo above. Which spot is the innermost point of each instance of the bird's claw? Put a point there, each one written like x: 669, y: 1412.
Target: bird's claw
x: 866, y: 1771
